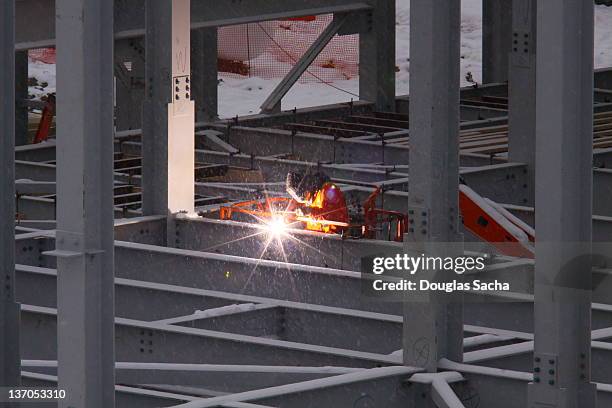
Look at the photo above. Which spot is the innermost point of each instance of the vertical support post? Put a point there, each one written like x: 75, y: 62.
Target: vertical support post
x: 204, y: 74
x: 496, y: 39
x: 84, y: 238
x: 522, y: 91
x: 129, y: 83
x: 169, y: 112
x: 562, y: 372
x: 21, y: 97
x: 434, y: 329
x: 10, y: 374
x: 377, y: 57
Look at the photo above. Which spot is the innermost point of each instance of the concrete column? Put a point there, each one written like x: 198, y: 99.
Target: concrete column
x: 84, y: 241
x: 433, y: 330
x: 377, y: 57
x: 204, y: 73
x: 169, y: 112
x: 562, y: 373
x: 129, y: 83
x: 496, y: 39
x: 522, y: 92
x: 21, y: 97
x: 9, y: 310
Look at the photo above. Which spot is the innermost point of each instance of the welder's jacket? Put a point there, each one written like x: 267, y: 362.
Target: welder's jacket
x: 327, y: 204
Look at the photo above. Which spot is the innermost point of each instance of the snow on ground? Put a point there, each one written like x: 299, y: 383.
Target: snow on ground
x: 45, y: 75
x: 239, y: 96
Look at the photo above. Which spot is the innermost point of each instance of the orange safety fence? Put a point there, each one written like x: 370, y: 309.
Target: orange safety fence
x: 270, y: 49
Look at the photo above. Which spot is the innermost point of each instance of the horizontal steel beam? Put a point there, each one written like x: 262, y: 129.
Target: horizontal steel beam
x: 145, y: 266
x: 298, y: 246
x: 501, y: 388
x: 233, y: 313
x: 150, y: 342
x: 32, y: 170
x: 519, y: 357
x: 130, y: 16
x: 220, y: 378
x: 125, y: 397
x: 369, y: 387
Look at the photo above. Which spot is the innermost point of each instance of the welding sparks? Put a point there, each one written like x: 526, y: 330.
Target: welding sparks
x: 276, y: 227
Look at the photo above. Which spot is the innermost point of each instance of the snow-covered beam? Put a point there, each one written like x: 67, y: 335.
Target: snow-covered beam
x: 365, y: 387
x: 154, y: 342
x: 222, y: 378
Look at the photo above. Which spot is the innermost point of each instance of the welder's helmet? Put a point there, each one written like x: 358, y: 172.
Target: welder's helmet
x: 303, y: 187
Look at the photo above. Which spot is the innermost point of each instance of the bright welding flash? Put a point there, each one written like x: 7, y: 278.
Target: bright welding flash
x: 276, y: 227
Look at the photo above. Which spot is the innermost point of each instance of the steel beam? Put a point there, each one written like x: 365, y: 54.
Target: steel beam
x: 298, y: 246
x: 564, y: 123
x: 435, y: 324
x: 506, y: 388
x: 273, y: 101
x: 129, y: 80
x: 362, y: 388
x: 152, y: 342
x: 377, y: 56
x: 130, y: 16
x: 168, y: 112
x: 34, y: 171
x: 234, y: 313
x: 204, y: 73
x: 484, y: 314
x: 40, y: 152
x: 84, y: 245
x: 522, y: 90
x: 126, y: 397
x: 496, y: 39
x: 221, y: 378
x: 21, y: 98
x: 9, y: 309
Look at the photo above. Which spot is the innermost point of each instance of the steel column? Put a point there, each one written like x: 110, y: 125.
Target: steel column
x: 562, y: 357
x: 204, y: 73
x: 377, y: 56
x: 435, y: 325
x: 522, y: 91
x: 496, y: 39
x: 21, y: 97
x: 169, y: 113
x: 9, y: 310
x: 129, y: 83
x: 84, y: 244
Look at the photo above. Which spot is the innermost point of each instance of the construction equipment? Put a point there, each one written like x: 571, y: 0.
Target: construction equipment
x: 494, y: 224
x: 317, y: 204
x: 46, y: 120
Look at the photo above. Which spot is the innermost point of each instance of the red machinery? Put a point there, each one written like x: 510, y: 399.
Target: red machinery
x: 319, y: 205
x: 494, y: 224
x: 44, y: 126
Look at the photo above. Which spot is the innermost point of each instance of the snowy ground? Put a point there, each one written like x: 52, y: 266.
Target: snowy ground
x: 244, y: 96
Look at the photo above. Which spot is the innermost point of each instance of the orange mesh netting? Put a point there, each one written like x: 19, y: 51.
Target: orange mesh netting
x: 45, y: 55
x: 269, y: 50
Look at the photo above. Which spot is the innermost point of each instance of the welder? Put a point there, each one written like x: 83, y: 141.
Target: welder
x: 318, y: 202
